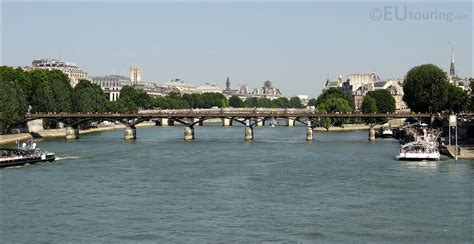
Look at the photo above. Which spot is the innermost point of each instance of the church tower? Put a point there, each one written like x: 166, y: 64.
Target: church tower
x: 452, y: 71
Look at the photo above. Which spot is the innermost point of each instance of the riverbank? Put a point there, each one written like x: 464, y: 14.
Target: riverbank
x: 466, y: 152
x: 349, y: 127
x: 13, y: 138
x: 61, y: 133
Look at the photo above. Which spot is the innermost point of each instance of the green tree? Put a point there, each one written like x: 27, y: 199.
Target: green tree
x: 61, y: 91
x: 333, y: 92
x: 235, y: 102
x: 281, y: 102
x: 369, y: 105
x: 41, y: 94
x: 426, y: 89
x: 12, y: 98
x: 384, y: 100
x: 458, y: 99
x: 250, y: 102
x: 88, y: 97
x: 264, y: 103
x: 295, y: 102
x: 189, y: 99
x: 335, y: 104
x: 313, y: 102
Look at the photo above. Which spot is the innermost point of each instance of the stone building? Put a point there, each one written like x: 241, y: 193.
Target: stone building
x: 111, y: 84
x: 395, y: 87
x: 73, y: 72
x: 179, y: 86
x: 333, y: 84
x: 211, y: 88
x: 267, y: 91
x: 358, y: 85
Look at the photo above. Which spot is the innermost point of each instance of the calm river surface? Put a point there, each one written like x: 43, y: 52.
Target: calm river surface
x: 219, y: 188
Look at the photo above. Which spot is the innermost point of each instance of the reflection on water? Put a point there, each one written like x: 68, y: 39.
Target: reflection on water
x: 422, y: 166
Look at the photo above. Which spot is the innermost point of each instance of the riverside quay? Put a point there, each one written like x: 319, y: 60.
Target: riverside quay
x: 249, y: 117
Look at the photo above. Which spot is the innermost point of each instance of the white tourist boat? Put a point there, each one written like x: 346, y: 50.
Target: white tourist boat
x: 423, y: 148
x: 24, y: 155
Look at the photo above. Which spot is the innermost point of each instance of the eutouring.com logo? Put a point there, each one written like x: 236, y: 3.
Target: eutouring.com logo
x: 403, y: 13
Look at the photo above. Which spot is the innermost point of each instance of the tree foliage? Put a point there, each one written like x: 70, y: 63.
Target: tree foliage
x: 369, y: 105
x: 235, y: 102
x: 384, y: 100
x: 12, y: 97
x: 295, y: 102
x: 313, y: 102
x: 458, y: 99
x: 333, y: 92
x: 426, y: 89
x: 88, y: 97
x: 335, y: 104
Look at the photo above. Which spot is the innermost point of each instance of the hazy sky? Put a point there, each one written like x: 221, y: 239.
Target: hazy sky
x: 295, y: 45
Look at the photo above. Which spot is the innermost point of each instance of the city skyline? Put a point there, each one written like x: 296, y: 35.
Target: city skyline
x: 297, y: 46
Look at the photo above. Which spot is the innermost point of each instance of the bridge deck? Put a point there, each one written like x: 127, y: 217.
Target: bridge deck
x: 225, y: 113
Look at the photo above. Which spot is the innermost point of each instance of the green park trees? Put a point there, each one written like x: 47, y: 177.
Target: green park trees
x: 384, y: 101
x: 235, y: 102
x: 458, y: 99
x: 13, y: 97
x: 88, y: 97
x: 427, y: 90
x: 333, y: 100
x: 369, y: 105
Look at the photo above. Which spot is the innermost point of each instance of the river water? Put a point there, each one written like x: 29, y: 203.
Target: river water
x: 219, y: 188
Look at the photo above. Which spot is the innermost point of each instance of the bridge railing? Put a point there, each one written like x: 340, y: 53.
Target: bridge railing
x: 225, y: 112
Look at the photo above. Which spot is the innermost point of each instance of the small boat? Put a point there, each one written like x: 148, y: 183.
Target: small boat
x: 386, y: 133
x: 24, y: 155
x: 273, y: 122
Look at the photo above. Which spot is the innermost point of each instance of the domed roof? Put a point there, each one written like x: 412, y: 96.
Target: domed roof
x: 267, y: 84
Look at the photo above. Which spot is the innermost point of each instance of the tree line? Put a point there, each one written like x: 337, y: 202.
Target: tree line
x: 46, y: 91
x: 426, y: 89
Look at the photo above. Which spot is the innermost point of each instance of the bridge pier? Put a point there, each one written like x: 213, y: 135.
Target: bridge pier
x: 372, y: 134
x: 248, y: 133
x: 164, y: 121
x: 226, y: 122
x: 188, y: 133
x: 167, y: 122
x: 260, y: 121
x: 309, y: 132
x: 290, y: 121
x: 130, y: 132
x: 72, y: 133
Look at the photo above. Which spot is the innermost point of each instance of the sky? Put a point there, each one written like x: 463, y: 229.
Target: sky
x: 295, y: 45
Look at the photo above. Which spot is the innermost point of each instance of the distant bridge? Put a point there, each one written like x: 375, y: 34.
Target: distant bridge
x: 249, y: 117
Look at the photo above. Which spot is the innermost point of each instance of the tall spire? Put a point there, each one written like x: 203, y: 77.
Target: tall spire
x: 227, y: 83
x: 452, y: 70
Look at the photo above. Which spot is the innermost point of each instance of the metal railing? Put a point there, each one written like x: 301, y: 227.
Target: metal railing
x: 227, y: 112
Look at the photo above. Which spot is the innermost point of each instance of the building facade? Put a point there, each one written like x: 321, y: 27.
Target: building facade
x: 358, y: 85
x: 73, y: 72
x: 111, y: 84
